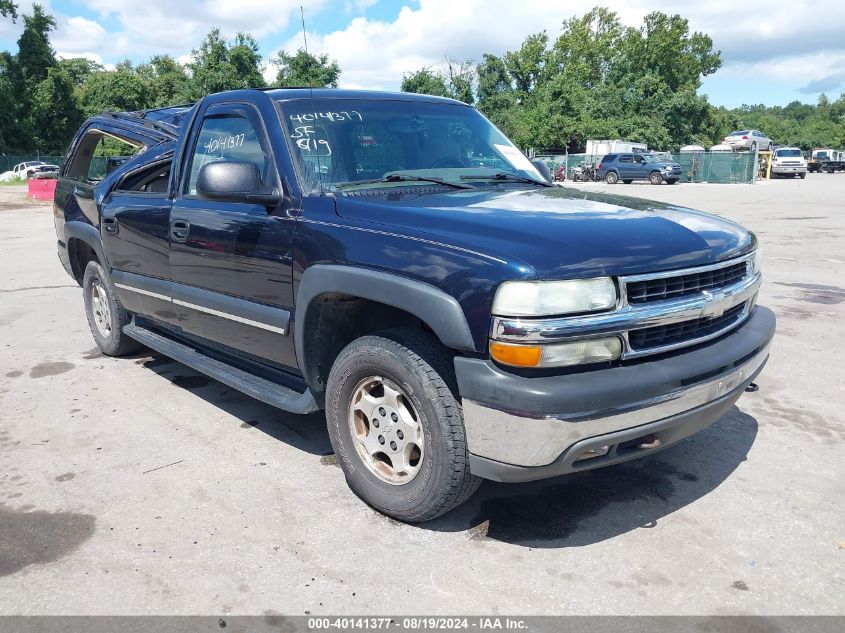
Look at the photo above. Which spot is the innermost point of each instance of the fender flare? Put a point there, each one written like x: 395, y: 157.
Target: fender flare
x: 88, y: 234
x: 440, y: 311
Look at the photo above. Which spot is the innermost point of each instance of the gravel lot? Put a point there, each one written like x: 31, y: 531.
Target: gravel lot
x: 137, y: 486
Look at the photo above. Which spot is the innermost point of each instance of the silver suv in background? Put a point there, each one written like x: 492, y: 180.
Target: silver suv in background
x: 750, y: 140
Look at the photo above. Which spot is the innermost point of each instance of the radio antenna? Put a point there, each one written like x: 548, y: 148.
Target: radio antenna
x: 305, y: 40
x: 311, y: 90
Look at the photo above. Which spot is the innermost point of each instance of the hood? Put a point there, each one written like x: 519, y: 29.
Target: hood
x: 559, y: 232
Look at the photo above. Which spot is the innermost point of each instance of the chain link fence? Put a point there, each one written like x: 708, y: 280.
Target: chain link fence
x: 711, y: 167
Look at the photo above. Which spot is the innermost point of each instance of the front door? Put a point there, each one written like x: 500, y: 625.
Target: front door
x: 626, y: 166
x: 231, y: 261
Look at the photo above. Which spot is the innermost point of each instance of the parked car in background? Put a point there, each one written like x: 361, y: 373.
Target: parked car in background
x: 750, y: 140
x: 629, y: 167
x: 35, y: 169
x: 788, y: 161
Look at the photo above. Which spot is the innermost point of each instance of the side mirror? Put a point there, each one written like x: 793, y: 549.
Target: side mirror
x: 543, y: 168
x: 234, y: 181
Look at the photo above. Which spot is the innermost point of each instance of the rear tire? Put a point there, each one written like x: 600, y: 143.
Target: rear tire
x: 396, y: 425
x: 802, y: 176
x: 655, y: 178
x: 106, y: 316
x: 611, y: 178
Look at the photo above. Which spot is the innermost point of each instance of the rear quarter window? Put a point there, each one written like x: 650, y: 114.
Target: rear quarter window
x: 609, y: 158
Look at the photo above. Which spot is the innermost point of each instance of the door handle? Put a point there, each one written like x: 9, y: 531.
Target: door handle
x: 179, y: 230
x: 110, y: 226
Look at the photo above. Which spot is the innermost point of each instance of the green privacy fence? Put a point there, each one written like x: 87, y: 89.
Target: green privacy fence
x: 712, y: 167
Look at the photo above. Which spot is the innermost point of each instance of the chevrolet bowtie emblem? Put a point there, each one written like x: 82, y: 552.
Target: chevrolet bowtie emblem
x: 715, y: 305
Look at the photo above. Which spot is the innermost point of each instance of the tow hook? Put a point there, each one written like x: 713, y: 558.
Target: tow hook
x: 751, y: 388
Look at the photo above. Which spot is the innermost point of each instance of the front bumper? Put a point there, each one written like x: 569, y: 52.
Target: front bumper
x: 523, y: 428
x: 789, y: 169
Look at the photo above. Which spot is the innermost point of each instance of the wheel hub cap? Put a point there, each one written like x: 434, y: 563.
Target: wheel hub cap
x: 101, y: 308
x: 386, y: 430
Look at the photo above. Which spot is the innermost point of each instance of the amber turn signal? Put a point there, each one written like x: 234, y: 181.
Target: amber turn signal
x: 516, y: 355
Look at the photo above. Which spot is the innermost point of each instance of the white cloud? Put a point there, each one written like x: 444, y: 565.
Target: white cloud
x: 165, y: 26
x: 770, y: 39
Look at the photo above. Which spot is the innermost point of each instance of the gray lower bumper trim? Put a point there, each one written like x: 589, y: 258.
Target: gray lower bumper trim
x: 538, y: 441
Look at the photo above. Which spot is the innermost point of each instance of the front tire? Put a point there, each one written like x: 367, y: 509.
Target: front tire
x: 396, y: 425
x: 655, y: 178
x: 106, y: 316
x: 611, y: 178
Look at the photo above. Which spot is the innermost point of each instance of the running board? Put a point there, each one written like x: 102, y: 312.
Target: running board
x: 264, y: 390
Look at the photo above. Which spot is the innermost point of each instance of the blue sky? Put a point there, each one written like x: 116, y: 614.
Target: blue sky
x: 773, y: 51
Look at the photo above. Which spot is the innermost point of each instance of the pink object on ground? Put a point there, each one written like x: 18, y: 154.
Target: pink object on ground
x: 42, y: 188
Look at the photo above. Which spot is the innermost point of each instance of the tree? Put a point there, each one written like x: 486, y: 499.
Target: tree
x: 167, y: 80
x: 305, y: 69
x: 426, y: 82
x: 9, y: 9
x: 79, y: 69
x: 35, y: 55
x: 55, y: 115
x: 217, y: 66
x: 120, y: 90
x: 457, y: 83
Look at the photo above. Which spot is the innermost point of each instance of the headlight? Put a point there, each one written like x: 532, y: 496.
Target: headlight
x: 594, y: 350
x: 545, y: 298
x: 756, y: 263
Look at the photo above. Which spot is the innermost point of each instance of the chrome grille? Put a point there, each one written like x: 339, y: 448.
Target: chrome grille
x: 676, y: 333
x: 660, y: 288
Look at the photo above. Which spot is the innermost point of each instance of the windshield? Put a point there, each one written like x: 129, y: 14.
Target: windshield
x: 657, y: 158
x: 340, y: 142
x: 783, y: 153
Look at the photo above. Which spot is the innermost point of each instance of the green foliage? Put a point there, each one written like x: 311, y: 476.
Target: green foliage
x: 54, y: 114
x: 121, y: 90
x: 167, y: 81
x: 217, y: 66
x: 35, y: 55
x: 457, y: 82
x: 425, y: 81
x: 305, y: 69
x: 9, y: 9
x: 79, y: 69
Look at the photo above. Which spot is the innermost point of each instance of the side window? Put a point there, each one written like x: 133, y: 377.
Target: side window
x: 227, y: 137
x: 626, y: 158
x: 639, y: 160
x: 97, y: 152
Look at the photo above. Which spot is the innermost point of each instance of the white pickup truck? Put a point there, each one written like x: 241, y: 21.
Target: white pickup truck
x: 788, y: 161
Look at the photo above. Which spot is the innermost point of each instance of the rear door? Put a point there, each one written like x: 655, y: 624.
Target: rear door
x: 232, y: 261
x: 132, y: 220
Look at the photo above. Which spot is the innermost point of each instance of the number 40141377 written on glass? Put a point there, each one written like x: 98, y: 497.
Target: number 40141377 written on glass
x: 222, y: 143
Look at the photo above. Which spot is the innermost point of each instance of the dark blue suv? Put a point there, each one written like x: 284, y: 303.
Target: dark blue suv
x: 627, y: 167
x: 395, y: 261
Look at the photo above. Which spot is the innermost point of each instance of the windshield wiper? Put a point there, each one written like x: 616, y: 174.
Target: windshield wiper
x: 403, y: 178
x: 507, y: 177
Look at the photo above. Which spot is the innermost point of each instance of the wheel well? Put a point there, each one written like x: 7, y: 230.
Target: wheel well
x: 334, y: 320
x: 80, y: 253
